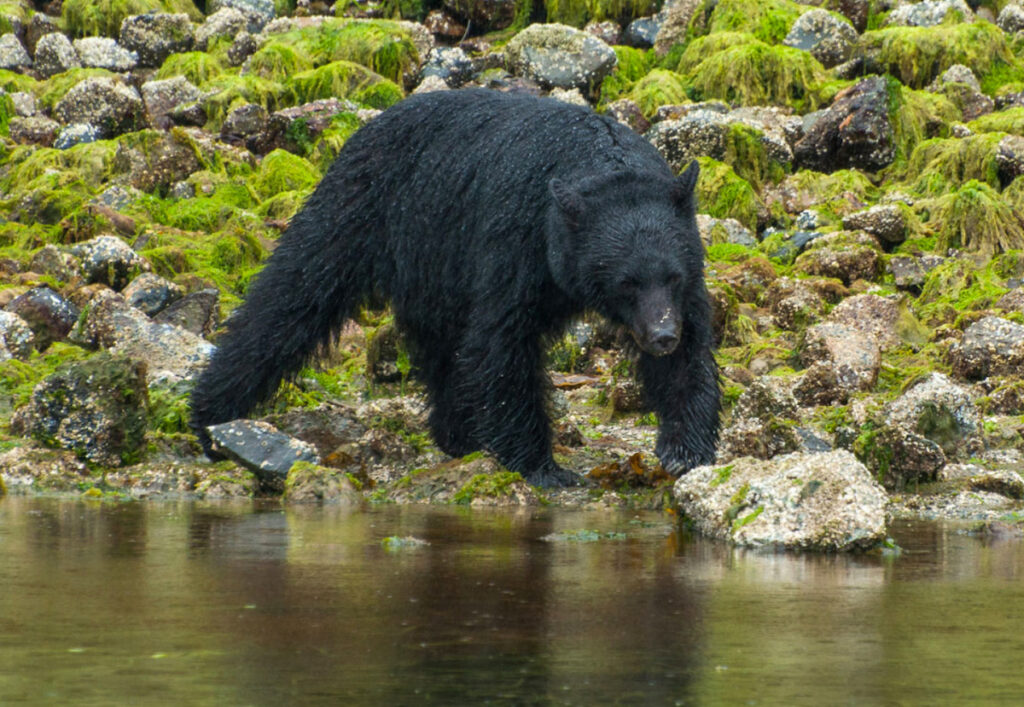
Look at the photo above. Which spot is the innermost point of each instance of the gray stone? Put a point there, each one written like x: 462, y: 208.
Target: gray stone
x: 25, y: 103
x: 245, y: 121
x: 39, y: 25
x: 197, y: 312
x: 16, y: 337
x: 762, y: 422
x: 991, y: 346
x: 884, y: 222
x: 105, y: 53
x: 225, y: 22
x: 162, y: 97
x: 244, y: 46
x: 607, y: 31
x: 263, y: 8
x: 939, y: 410
x: 56, y: 262
x: 840, y: 361
x: 442, y: 24
x: 55, y: 55
x: 676, y: 20
x: 450, y: 64
x: 110, y: 106
x: 260, y: 447
x: 49, y: 315
x: 854, y: 131
x: 13, y: 55
x: 156, y: 35
x: 1011, y: 18
x: 1005, y: 483
x: 151, y: 293
x: 76, y: 134
x: 929, y: 13
x: 828, y: 39
x: 1010, y: 157
x: 34, y: 130
x: 642, y: 32
x: 825, y: 502
x: 109, y: 260
x: 555, y: 55
x: 793, y: 303
x: 909, y: 271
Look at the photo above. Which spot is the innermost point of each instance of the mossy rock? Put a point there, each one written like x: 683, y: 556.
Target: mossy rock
x: 277, y: 61
x: 917, y: 55
x: 198, y: 67
x: 959, y: 285
x: 49, y: 92
x: 756, y: 73
x: 658, y: 88
x: 577, y: 13
x: 11, y: 82
x: 87, y: 18
x: 230, y: 91
x: 345, y: 79
x: 976, y: 219
x: 916, y: 116
x: 1009, y: 121
x: 281, y: 171
x: 307, y: 482
x: 724, y: 194
x: 939, y: 166
x: 631, y: 66
x: 768, y: 20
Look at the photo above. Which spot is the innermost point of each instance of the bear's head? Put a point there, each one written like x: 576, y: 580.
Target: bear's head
x: 626, y: 245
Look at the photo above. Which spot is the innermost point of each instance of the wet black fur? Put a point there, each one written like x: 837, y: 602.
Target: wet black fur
x: 488, y: 220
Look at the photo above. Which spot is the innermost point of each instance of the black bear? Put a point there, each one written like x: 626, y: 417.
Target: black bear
x: 488, y: 220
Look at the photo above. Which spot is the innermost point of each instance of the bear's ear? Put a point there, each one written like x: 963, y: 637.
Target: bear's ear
x: 569, y: 201
x: 684, y: 185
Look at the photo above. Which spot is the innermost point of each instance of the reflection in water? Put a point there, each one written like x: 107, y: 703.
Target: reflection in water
x: 240, y: 604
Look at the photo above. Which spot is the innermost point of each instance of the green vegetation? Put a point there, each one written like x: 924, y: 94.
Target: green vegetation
x: 768, y: 20
x: 85, y: 18
x: 975, y: 218
x: 577, y: 13
x: 723, y: 194
x: 497, y: 485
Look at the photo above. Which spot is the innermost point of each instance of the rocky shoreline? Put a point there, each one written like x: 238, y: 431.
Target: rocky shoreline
x: 861, y: 199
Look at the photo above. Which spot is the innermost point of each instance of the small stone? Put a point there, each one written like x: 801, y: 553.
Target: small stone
x: 110, y: 106
x: 260, y: 447
x: 555, y: 55
x: 929, y: 13
x: 54, y: 55
x: 109, y: 260
x: 197, y: 312
x: 1005, y: 483
x: 156, y: 35
x: 13, y: 56
x: 76, y: 134
x: 49, y: 315
x: 16, y: 337
x: 105, y: 53
x: 151, y: 293
x: 34, y: 130
x: 828, y: 39
x: 991, y: 346
x: 884, y: 222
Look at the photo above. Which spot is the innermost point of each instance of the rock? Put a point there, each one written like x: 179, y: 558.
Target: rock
x: 483, y: 15
x: 51, y: 260
x: 825, y: 502
x: 840, y: 361
x: 258, y: 446
x: 39, y: 469
x: 929, y: 13
x: 151, y: 293
x: 34, y: 130
x: 450, y: 64
x: 854, y: 132
x: 290, y: 127
x: 677, y: 15
x: 244, y: 46
x: 264, y: 9
x: 308, y: 482
x: 39, y: 25
x: 109, y: 260
x: 48, y: 314
x: 110, y: 106
x: 627, y: 112
x: 900, y: 457
x: 16, y: 337
x: 55, y: 55
x: 856, y: 11
x: 991, y: 346
x: 156, y: 35
x: 884, y: 222
x: 607, y: 31
x: 558, y: 56
x: 569, y: 95
x: 699, y: 133
x: 197, y: 312
x: 762, y: 423
x: 25, y: 104
x: 1010, y: 157
x: 163, y: 96
x: 474, y: 481
x: 105, y: 53
x: 960, y: 85
x: 909, y: 271
x: 112, y: 323
x: 1011, y: 18
x: 154, y: 162
x: 225, y: 22
x: 1005, y: 483
x: 96, y: 408
x: 13, y: 56
x: 431, y: 83
x: 642, y: 32
x: 846, y: 255
x: 939, y: 410
x: 828, y: 39
x: 244, y: 121
x: 793, y: 303
x: 883, y: 321
x: 724, y: 230
x: 326, y: 427
x: 76, y: 134
x: 442, y: 24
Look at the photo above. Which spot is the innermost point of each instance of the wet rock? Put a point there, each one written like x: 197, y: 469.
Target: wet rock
x: 845, y: 255
x: 793, y: 303
x: 699, y: 133
x: 929, y: 13
x: 607, y: 31
x: 289, y: 128
x: 51, y: 260
x: 442, y: 24
x: 258, y: 446
x: 32, y: 468
x: 156, y: 35
x: 474, y: 481
x: 326, y: 427
x: 264, y: 9
x: 105, y: 53
x: 676, y: 20
x: 244, y: 121
x: 939, y: 410
x: 559, y: 56
x: 1005, y: 483
x: 991, y: 346
x: 839, y: 360
x: 960, y: 85
x: 724, y: 230
x: 156, y: 161
x: 1011, y: 18
x: 569, y: 95
x: 762, y: 424
x: 854, y: 132
x: 627, y: 112
x: 1010, y: 158
x: 96, y: 408
x: 110, y: 106
x: 826, y: 502
x: 225, y: 22
x: 54, y: 55
x: 909, y: 271
x: 884, y: 321
x: 642, y: 32
x: 197, y: 312
x: 16, y: 337
x: 450, y: 64
x: 13, y: 56
x: 1006, y: 396
x: 49, y: 315
x: 109, y: 260
x: 311, y: 483
x: 163, y: 96
x: 151, y: 293
x: 34, y: 130
x: 382, y: 353
x: 827, y: 38
x: 244, y: 46
x: 76, y: 134
x: 112, y: 323
x: 885, y: 222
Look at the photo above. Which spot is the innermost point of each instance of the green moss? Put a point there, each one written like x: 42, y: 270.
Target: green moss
x: 747, y: 519
x: 197, y: 67
x: 658, y: 88
x: 231, y: 90
x: 402, y: 9
x: 745, y: 152
x: 722, y: 474
x: 631, y: 66
x: 1010, y: 121
x: 755, y: 73
x: 959, y: 285
x: 281, y: 171
x: 19, y: 378
x: 344, y: 79
x: 12, y: 82
x: 169, y: 411
x: 916, y: 116
x: 278, y: 61
x: 976, y: 219
x: 729, y: 253
x: 331, y: 140
x: 577, y: 13
x: 86, y: 18
x: 723, y: 194
x: 496, y: 485
x: 834, y: 192
x: 940, y: 165
x: 917, y: 55
x: 768, y: 20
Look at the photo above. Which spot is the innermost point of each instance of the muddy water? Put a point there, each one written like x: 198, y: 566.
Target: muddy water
x: 162, y: 603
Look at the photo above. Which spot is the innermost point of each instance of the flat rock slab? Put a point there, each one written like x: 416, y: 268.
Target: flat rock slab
x: 826, y: 502
x: 259, y: 446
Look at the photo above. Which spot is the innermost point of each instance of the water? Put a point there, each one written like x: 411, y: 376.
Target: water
x: 179, y: 603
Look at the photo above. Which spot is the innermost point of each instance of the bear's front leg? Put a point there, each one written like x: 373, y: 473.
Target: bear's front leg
x: 505, y: 384
x: 682, y: 388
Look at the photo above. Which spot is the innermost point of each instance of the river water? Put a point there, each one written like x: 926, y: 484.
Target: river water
x: 180, y: 603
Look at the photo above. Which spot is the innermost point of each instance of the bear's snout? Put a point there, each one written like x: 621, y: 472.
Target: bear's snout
x: 660, y: 324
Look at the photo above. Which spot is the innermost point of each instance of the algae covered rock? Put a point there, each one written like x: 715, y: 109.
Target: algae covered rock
x: 155, y: 36
x: 855, y: 131
x: 49, y: 315
x: 829, y: 39
x: 559, y: 56
x: 929, y: 13
x: 151, y: 293
x: 991, y: 346
x: 308, y: 482
x: 827, y: 502
x: 31, y: 467
x: 96, y: 408
x: 109, y: 260
x: 110, y: 106
x: 763, y: 423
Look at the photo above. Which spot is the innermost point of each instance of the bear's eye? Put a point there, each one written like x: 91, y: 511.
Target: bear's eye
x: 629, y: 284
x: 673, y: 279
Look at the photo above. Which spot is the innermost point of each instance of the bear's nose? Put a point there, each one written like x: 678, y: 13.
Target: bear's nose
x: 663, y: 341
